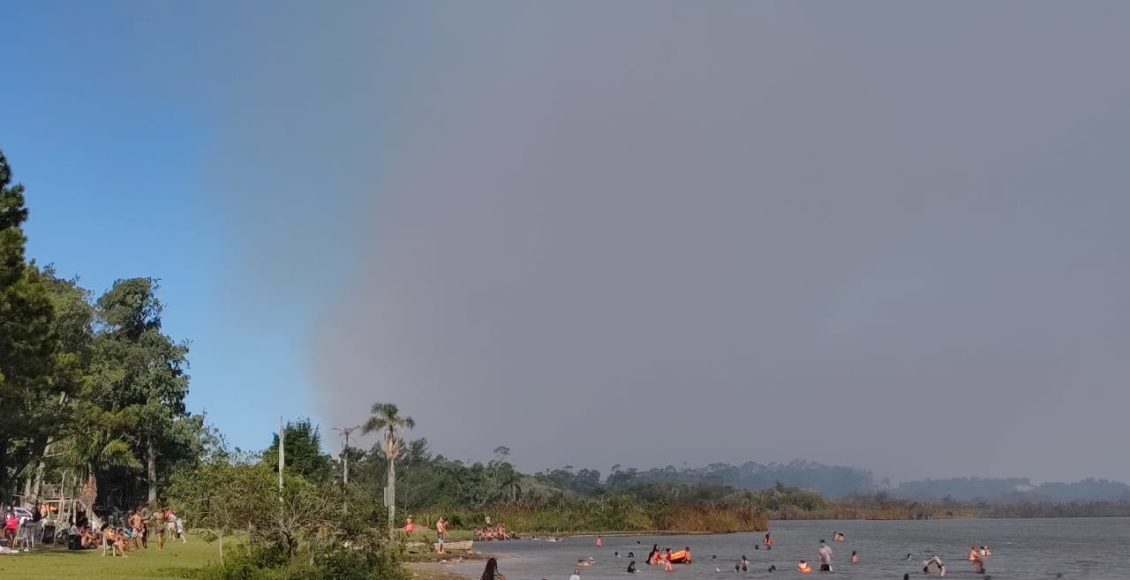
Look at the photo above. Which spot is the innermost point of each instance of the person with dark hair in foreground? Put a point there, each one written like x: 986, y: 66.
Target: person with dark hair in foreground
x: 491, y: 571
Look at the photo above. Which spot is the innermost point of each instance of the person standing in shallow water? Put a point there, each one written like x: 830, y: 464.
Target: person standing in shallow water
x: 825, y: 557
x: 975, y: 559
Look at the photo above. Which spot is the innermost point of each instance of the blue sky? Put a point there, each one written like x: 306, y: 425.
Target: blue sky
x: 116, y: 121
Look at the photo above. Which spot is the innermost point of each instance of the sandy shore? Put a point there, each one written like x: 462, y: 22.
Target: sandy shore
x: 439, y: 570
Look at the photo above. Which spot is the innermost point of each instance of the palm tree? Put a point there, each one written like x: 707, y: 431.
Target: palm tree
x: 386, y: 417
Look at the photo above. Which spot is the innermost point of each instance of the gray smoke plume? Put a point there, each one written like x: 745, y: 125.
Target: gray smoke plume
x: 882, y: 234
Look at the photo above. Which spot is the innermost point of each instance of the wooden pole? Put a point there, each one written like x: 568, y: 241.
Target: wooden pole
x: 282, y: 456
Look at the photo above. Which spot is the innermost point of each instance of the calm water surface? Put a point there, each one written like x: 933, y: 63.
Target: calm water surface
x: 1093, y: 548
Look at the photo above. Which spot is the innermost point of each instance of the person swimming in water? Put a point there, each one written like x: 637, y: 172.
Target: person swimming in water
x: 854, y: 557
x: 934, y: 561
x: 803, y: 567
x: 768, y: 541
x: 632, y: 567
x: 838, y: 536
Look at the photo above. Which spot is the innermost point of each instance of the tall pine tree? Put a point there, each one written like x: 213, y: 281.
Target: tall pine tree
x: 26, y: 342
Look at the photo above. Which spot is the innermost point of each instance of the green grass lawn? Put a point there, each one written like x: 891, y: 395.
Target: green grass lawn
x: 174, y: 562
x: 53, y: 563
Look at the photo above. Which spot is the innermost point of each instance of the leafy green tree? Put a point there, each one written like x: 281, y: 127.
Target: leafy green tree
x: 72, y: 329
x: 26, y: 342
x: 304, y: 455
x: 140, y: 380
x: 386, y: 418
x: 210, y: 498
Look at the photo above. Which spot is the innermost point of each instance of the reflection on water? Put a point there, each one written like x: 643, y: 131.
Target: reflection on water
x: 1091, y: 548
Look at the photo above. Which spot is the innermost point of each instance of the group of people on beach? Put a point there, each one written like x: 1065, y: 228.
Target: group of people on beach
x: 492, y: 533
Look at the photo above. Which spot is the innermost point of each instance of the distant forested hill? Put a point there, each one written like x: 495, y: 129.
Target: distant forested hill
x: 1013, y: 490
x: 828, y: 480
x: 839, y: 481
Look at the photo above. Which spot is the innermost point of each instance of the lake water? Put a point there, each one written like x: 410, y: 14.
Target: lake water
x: 1093, y: 548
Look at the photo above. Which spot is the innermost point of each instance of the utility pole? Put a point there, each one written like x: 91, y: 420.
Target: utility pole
x: 345, y: 432
x: 282, y: 456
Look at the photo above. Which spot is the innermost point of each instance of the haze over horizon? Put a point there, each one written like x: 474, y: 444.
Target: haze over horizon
x: 876, y: 234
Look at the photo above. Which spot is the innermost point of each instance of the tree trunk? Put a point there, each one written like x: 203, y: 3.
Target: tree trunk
x: 151, y: 472
x: 27, y: 489
x: 392, y: 499
x: 221, y: 545
x: 3, y: 471
x: 37, y: 487
x: 31, y: 484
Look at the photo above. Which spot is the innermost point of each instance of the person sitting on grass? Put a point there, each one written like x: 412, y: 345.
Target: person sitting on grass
x: 113, y: 540
x: 74, y: 537
x: 88, y: 539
